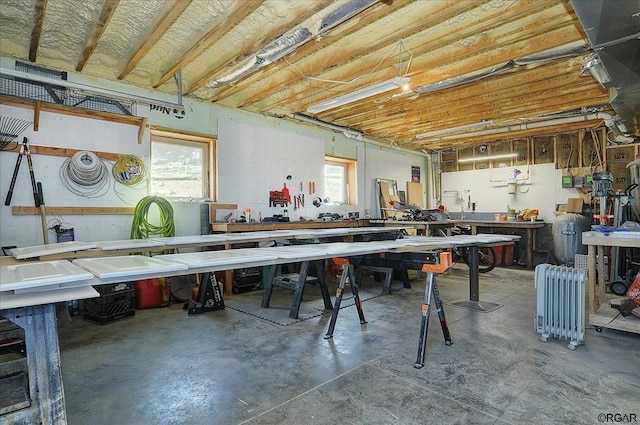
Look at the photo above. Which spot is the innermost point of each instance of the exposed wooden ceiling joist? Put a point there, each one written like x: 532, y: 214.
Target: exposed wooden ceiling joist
x: 434, y: 42
x: 108, y: 9
x: 173, y: 13
x: 36, y: 31
x: 237, y: 16
x: 255, y: 45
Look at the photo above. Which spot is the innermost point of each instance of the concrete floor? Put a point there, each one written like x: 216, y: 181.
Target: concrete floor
x: 229, y: 367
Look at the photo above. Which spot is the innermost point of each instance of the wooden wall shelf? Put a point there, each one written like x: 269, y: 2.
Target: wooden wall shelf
x: 38, y: 106
x: 20, y: 210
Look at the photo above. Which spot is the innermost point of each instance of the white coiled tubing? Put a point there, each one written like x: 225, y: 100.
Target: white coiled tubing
x: 85, y: 174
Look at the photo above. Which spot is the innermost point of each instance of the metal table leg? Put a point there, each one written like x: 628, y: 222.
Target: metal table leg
x: 474, y: 303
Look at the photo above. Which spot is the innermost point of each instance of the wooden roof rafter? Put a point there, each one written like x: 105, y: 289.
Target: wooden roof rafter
x: 36, y: 30
x: 237, y: 16
x: 308, y: 52
x: 265, y: 38
x: 409, y: 30
x: 108, y: 9
x: 157, y: 32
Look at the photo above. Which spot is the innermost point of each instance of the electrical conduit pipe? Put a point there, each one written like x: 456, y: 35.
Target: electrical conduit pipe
x: 608, y: 121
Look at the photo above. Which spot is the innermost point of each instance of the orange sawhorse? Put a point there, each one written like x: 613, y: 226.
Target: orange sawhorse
x: 431, y: 288
x: 347, y: 276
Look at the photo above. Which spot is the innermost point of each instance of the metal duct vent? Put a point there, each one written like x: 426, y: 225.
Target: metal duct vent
x: 283, y: 45
x: 458, y: 81
x: 551, y: 55
x: 547, y: 56
x: 250, y: 66
x: 614, y: 33
x: 342, y: 14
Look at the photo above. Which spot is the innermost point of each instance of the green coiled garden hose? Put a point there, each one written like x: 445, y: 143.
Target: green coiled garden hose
x: 142, y: 229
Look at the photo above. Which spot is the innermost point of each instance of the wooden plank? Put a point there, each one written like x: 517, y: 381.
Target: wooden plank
x: 246, y: 49
x: 390, y: 210
x: 292, y: 225
x: 64, y: 152
x: 414, y: 194
x: 36, y: 30
x: 605, y: 317
x: 158, y: 31
x: 36, y: 116
x: 108, y: 9
x: 21, y: 210
x: 68, y: 110
x: 213, y: 208
x: 609, y: 239
x: 237, y: 16
x: 173, y: 133
x: 143, y: 125
x: 385, y: 194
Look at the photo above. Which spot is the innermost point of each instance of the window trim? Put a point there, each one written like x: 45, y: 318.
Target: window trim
x: 351, y: 168
x: 211, y: 190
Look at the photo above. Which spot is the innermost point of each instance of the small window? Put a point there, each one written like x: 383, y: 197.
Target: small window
x: 179, y: 168
x: 340, y: 180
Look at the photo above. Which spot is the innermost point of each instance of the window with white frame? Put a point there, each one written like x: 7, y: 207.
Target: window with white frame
x: 340, y: 180
x: 180, y: 168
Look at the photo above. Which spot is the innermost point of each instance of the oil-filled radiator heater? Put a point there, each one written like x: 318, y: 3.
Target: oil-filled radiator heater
x: 560, y: 303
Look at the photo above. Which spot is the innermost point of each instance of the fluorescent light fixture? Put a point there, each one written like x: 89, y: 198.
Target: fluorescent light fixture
x: 363, y: 93
x: 488, y: 158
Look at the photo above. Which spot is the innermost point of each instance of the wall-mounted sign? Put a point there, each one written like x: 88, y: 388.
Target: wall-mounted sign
x: 415, y: 174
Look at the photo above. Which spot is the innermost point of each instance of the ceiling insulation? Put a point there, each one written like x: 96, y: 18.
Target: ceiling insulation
x: 507, y: 62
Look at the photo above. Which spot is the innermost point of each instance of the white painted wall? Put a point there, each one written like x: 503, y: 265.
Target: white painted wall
x: 379, y: 163
x: 66, y: 131
x: 540, y: 187
x: 258, y: 159
x: 255, y: 154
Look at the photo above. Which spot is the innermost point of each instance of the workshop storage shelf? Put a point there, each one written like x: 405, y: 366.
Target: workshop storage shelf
x: 117, y: 301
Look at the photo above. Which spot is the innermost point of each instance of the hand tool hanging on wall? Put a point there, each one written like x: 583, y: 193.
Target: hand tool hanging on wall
x: 277, y: 198
x: 43, y: 214
x: 24, y: 150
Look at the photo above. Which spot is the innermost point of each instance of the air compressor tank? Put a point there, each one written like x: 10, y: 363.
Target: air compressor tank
x: 567, y: 237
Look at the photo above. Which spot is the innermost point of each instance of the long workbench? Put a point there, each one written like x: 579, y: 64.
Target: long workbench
x: 286, y: 225
x: 529, y: 226
x: 422, y: 227
x: 30, y: 289
x: 601, y: 314
x: 78, y: 249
